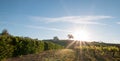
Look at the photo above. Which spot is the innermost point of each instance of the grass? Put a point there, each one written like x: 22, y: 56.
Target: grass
x: 52, y: 55
x: 66, y: 55
x: 77, y: 53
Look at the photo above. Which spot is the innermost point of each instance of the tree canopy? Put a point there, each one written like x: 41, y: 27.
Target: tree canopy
x: 70, y: 36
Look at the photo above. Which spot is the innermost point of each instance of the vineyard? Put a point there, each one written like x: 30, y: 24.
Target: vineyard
x: 77, y: 54
x: 92, y: 51
x: 14, y: 48
x: 95, y: 53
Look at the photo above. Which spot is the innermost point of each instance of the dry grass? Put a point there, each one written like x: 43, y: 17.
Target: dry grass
x: 52, y: 55
x: 66, y: 55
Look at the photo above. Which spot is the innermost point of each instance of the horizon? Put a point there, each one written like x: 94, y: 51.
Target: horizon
x: 96, y: 20
x: 67, y: 39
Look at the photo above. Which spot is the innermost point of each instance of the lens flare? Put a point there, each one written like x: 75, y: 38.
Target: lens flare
x: 81, y: 35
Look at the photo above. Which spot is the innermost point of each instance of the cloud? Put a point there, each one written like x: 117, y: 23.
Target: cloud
x: 46, y: 28
x: 74, y: 19
x: 118, y: 22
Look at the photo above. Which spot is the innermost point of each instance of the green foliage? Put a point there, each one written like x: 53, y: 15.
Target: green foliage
x: 5, y: 32
x: 100, y: 51
x: 6, y: 49
x: 51, y: 46
x: 11, y: 46
x: 55, y: 38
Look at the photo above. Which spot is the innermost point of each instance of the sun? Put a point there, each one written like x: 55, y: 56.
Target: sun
x: 81, y: 35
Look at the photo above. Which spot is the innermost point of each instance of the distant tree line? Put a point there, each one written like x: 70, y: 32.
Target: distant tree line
x: 12, y: 46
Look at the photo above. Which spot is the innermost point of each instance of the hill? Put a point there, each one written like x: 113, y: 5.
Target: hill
x: 84, y: 51
x: 13, y: 46
x: 83, y: 43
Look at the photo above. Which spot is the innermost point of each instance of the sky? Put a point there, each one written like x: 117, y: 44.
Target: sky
x: 44, y: 19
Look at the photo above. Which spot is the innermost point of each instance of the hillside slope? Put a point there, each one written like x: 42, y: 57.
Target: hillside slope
x: 67, y: 55
x: 12, y: 46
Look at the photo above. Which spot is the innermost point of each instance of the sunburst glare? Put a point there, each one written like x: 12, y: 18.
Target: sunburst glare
x: 81, y: 35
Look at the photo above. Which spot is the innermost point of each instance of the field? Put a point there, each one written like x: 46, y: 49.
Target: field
x: 14, y: 48
x: 78, y: 53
